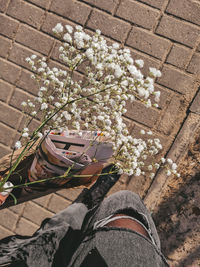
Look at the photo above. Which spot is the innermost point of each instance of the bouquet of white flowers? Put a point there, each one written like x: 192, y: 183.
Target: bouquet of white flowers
x: 95, y: 103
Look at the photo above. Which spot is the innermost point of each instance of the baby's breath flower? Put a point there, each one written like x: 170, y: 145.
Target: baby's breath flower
x: 67, y: 115
x: 118, y: 71
x: 114, y: 78
x: 44, y: 106
x: 168, y: 173
x: 67, y: 37
x: 33, y: 113
x: 115, y: 45
x: 33, y: 57
x: 58, y: 28
x: 24, y: 104
x: 157, y: 165
x: 57, y: 105
x: 138, y: 172
x: 154, y: 72
x: 157, y: 96
x: 139, y: 63
x: 51, y: 98
x: 40, y: 135
x: 163, y: 160
x: 152, y: 175
x: 150, y: 167
x: 25, y: 134
x: 98, y: 32
x: 149, y: 132
x: 27, y: 59
x: 169, y: 161
x: 148, y: 103
x: 69, y: 28
x: 120, y: 171
x: 174, y: 166
x: 78, y: 28
x: 18, y: 145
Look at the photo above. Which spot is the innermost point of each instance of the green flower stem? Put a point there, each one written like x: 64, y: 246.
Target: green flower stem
x: 58, y: 177
x: 20, y: 157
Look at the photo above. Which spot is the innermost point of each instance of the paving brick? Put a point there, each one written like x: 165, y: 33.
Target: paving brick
x: 185, y: 9
x: 178, y: 56
x: 17, y: 208
x: 6, y: 135
x: 25, y: 82
x: 8, y: 219
x: 138, y: 112
x: 178, y: 30
x: 3, y: 5
x: 154, y: 3
x: 171, y: 119
x: 117, y: 187
x: 138, y: 184
x: 5, y: 45
x: 8, y: 115
x: 195, y: 107
x: 25, y: 12
x: 176, y: 80
x: 4, y: 150
x: 194, y: 66
x: 134, y: 11
x: 108, y: 5
x: 117, y: 29
x: 4, y: 233
x: 34, y: 39
x: 43, y: 201
x: 148, y: 43
x: 57, y: 203
x: 19, y: 53
x: 5, y: 90
x: 148, y: 61
x: 40, y: 3
x: 8, y: 26
x: 71, y: 9
x: 35, y: 213
x: 24, y: 227
x: 70, y: 193
x: 19, y: 96
x: 9, y: 72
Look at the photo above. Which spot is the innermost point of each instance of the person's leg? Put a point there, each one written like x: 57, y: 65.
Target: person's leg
x: 128, y: 203
x: 119, y: 246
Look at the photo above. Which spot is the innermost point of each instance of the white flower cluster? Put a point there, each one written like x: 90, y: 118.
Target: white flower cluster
x: 99, y: 101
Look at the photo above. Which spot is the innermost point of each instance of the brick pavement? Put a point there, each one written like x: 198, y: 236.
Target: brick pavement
x: 164, y: 33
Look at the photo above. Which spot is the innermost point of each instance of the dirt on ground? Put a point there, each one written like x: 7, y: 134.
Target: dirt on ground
x: 178, y: 215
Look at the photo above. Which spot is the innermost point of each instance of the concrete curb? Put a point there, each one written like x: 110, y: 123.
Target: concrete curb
x: 185, y: 137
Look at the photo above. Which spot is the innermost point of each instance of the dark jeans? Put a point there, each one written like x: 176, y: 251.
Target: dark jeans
x: 68, y: 237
